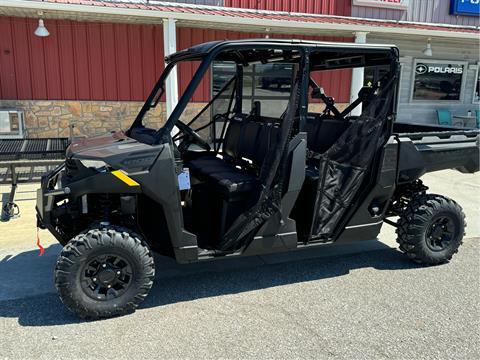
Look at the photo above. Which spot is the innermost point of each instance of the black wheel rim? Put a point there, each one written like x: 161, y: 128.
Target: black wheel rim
x: 106, y: 277
x: 440, y: 233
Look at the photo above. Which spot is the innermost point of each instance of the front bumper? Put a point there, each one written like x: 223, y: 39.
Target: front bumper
x: 50, y: 186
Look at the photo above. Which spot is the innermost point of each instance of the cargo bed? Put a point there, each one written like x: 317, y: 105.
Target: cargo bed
x: 427, y: 148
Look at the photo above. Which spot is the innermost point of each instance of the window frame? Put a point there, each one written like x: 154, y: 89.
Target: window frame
x: 476, y: 99
x: 439, y: 61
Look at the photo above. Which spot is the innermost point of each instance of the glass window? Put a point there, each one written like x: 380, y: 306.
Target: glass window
x: 438, y: 81
x: 223, y: 71
x: 272, y: 87
x: 202, y: 113
x: 9, y: 123
x: 267, y: 83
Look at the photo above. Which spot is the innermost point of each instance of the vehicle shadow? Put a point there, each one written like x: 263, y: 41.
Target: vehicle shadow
x: 25, y: 275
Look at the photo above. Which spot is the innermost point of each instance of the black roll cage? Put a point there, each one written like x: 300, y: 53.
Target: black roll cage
x: 234, y: 50
x: 220, y: 92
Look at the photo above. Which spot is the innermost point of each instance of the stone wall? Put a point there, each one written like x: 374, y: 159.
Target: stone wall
x: 45, y: 118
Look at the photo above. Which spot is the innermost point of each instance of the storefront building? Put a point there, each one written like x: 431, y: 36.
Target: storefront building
x: 101, y: 58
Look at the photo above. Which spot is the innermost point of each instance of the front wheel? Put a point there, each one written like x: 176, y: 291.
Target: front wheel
x: 104, y: 272
x: 431, y: 229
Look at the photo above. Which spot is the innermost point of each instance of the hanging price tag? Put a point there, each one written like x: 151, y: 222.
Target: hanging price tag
x: 184, y: 179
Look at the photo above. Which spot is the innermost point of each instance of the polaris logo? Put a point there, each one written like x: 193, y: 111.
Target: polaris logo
x: 421, y: 69
x: 438, y: 69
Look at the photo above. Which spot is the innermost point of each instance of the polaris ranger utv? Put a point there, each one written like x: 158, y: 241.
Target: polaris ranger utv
x: 240, y: 179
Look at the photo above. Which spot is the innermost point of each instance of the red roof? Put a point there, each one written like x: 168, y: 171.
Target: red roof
x: 265, y: 15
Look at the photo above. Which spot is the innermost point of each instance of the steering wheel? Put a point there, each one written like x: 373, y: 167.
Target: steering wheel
x: 192, y: 135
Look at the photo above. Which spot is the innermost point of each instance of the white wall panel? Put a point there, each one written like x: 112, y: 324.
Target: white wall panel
x: 430, y: 11
x: 442, y: 50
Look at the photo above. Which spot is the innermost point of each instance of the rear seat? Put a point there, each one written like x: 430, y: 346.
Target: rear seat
x: 323, y: 131
x: 232, y: 176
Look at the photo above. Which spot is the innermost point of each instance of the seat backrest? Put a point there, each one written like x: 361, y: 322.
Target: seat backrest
x: 323, y: 131
x: 266, y: 138
x: 249, y: 139
x: 232, y: 135
x: 444, y: 117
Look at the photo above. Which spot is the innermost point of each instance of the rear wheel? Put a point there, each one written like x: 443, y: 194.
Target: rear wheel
x: 104, y: 272
x: 431, y: 229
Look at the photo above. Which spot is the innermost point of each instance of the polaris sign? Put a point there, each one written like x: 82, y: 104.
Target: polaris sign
x: 438, y: 69
x: 465, y: 7
x: 390, y: 4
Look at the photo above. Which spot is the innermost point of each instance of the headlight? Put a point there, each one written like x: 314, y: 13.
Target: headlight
x: 98, y: 165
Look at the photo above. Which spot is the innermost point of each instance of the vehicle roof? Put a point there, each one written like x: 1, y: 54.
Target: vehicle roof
x: 203, y: 49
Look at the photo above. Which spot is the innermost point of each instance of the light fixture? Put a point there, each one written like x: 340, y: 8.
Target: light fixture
x: 41, y: 30
x: 428, y: 50
x: 267, y: 31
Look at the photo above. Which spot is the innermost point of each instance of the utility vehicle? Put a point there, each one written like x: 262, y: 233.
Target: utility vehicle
x: 239, y: 178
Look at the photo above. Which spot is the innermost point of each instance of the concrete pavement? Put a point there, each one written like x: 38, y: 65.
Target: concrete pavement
x: 373, y: 304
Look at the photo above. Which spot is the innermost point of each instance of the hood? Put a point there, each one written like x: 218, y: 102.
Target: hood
x: 97, y: 146
x: 115, y: 149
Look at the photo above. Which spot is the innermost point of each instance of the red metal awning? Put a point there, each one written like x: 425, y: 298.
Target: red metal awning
x: 249, y: 17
